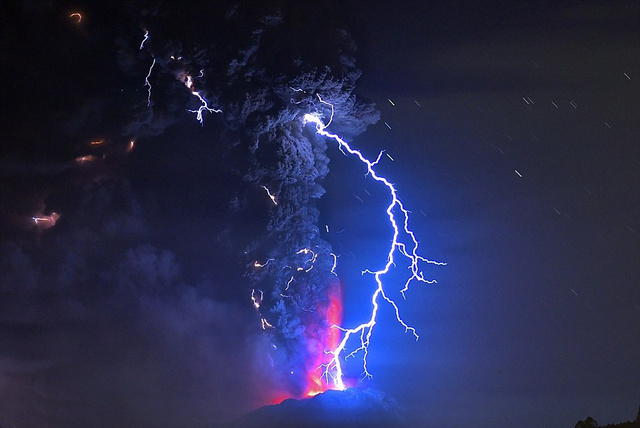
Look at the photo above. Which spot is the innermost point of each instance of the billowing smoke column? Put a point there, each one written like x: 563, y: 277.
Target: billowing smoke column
x: 262, y: 73
x: 301, y: 296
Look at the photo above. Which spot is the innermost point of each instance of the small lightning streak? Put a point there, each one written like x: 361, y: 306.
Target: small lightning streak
x: 256, y: 298
x: 147, y: 83
x: 335, y: 263
x: 146, y: 37
x: 261, y: 265
x: 405, y: 244
x: 204, y: 104
x: 188, y: 82
x: 45, y: 221
x: 271, y: 195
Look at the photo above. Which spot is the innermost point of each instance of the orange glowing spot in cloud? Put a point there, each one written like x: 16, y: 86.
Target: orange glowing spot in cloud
x: 76, y: 16
x: 85, y: 159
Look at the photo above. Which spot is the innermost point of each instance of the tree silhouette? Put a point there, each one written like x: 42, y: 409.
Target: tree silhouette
x: 587, y: 423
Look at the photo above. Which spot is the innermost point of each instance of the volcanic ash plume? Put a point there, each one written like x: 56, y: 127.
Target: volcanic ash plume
x: 260, y: 72
x: 300, y: 292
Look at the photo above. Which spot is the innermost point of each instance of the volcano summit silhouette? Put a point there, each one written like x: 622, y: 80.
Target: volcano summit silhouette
x: 351, y: 408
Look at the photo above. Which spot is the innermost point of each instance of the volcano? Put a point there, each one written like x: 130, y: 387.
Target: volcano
x: 351, y: 408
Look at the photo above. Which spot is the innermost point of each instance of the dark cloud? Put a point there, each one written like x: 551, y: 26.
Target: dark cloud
x: 99, y: 337
x: 106, y: 322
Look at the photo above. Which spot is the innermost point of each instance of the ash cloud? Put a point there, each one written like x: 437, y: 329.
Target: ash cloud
x: 102, y: 330
x: 108, y: 317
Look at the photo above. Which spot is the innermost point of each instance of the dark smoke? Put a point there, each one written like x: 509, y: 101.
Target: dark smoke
x: 103, y: 321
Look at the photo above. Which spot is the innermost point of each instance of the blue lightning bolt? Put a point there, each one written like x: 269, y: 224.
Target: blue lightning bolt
x: 398, y: 217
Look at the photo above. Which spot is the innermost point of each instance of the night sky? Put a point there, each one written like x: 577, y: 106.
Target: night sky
x: 512, y: 132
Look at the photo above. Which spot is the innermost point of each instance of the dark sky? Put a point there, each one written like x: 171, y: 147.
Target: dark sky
x: 514, y: 136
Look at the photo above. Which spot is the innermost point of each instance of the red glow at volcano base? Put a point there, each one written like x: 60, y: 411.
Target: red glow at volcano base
x: 328, y: 338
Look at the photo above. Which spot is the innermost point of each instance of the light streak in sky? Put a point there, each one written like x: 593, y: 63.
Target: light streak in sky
x: 146, y: 82
x: 256, y: 298
x: 45, y: 221
x: 312, y: 260
x: 265, y: 323
x: 77, y: 16
x: 85, y: 159
x: 271, y: 196
x: 146, y: 37
x: 96, y: 142
x: 257, y: 264
x: 403, y: 243
x: 335, y: 263
x: 289, y: 283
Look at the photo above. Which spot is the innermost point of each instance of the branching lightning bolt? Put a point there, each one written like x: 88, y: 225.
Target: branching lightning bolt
x: 403, y: 242
x: 204, y: 104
